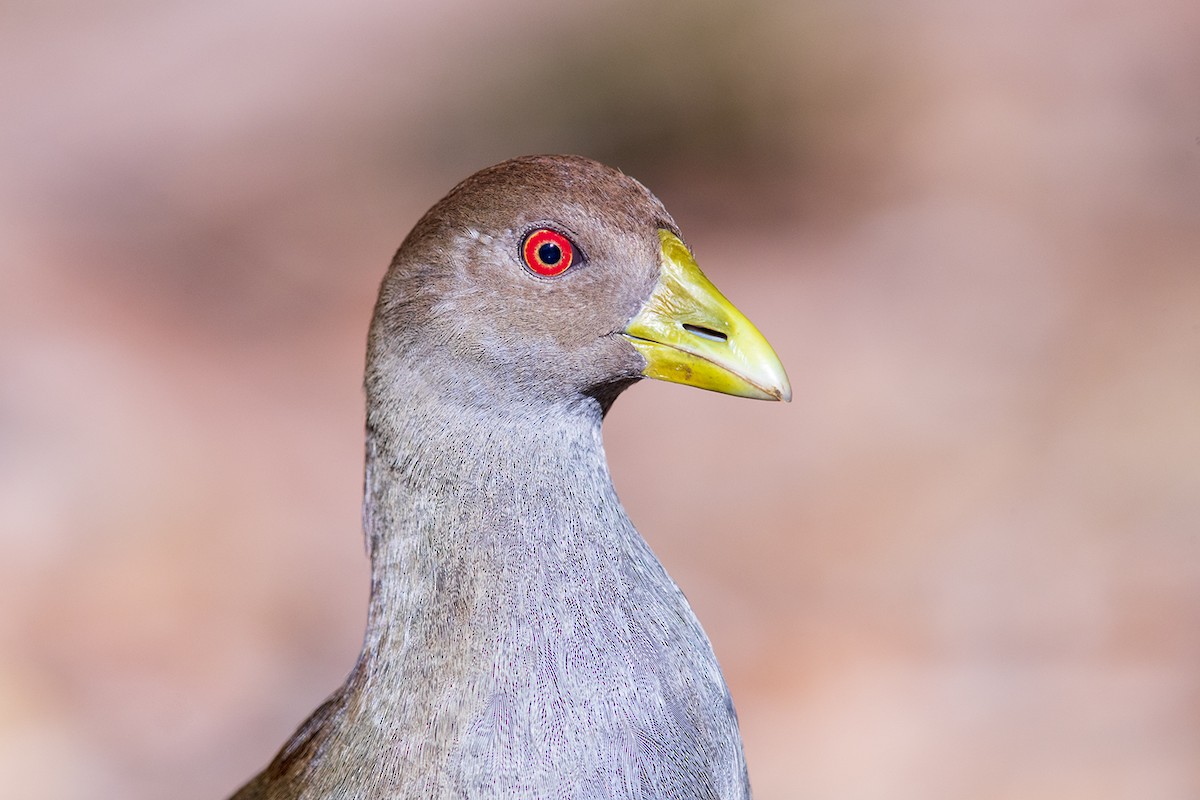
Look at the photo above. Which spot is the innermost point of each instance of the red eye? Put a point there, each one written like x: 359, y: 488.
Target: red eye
x: 548, y: 252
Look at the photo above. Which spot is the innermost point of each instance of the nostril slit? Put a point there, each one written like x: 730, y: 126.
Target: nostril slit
x: 707, y: 333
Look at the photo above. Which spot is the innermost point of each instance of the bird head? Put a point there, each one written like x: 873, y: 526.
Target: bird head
x: 550, y: 277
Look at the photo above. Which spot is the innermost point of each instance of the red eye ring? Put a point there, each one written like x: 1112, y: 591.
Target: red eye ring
x: 547, y: 252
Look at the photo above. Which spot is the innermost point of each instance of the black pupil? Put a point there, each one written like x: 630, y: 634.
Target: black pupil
x: 550, y: 253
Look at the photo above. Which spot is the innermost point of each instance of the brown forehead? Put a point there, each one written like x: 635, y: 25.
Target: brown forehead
x: 536, y: 188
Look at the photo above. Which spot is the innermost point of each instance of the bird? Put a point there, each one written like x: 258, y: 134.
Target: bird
x: 522, y: 640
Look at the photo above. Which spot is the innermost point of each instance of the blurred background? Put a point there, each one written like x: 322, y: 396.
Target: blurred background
x: 963, y: 563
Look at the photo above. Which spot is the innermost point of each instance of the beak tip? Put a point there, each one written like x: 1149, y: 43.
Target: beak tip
x: 777, y: 384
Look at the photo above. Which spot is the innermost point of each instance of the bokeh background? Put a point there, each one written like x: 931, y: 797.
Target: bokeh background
x: 963, y: 563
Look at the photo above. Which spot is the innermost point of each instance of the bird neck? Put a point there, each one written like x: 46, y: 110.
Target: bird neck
x: 511, y: 596
x: 476, y: 513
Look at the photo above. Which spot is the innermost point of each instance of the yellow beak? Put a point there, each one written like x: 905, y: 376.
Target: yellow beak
x: 689, y: 333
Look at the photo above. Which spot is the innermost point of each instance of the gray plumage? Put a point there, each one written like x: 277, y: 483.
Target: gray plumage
x: 523, y: 641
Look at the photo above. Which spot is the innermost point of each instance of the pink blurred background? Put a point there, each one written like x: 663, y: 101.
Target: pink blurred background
x: 963, y: 563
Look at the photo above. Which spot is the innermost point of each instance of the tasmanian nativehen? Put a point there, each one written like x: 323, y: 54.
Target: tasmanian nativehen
x: 522, y: 640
